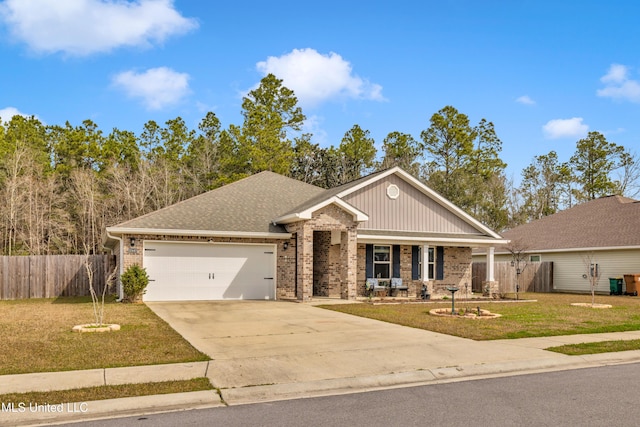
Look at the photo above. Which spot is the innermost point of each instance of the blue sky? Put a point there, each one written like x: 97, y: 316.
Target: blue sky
x: 544, y: 72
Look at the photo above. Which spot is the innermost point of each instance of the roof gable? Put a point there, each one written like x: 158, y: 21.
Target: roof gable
x: 432, y: 213
x: 612, y: 221
x: 410, y: 210
x: 454, y: 213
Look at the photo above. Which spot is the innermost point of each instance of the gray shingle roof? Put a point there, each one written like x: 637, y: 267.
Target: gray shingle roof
x: 605, y: 222
x: 248, y: 205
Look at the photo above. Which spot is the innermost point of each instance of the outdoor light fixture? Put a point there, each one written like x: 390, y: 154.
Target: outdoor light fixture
x: 285, y: 246
x: 132, y: 241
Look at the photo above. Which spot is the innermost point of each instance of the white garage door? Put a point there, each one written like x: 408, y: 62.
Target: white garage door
x: 205, y: 271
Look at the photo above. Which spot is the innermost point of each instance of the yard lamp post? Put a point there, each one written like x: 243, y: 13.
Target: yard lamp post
x: 516, y: 263
x: 453, y: 290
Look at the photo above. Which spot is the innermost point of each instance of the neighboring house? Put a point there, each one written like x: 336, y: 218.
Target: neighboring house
x: 272, y: 237
x: 607, y: 230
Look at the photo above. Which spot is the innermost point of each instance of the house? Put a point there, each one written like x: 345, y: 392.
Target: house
x: 604, y: 232
x: 272, y: 237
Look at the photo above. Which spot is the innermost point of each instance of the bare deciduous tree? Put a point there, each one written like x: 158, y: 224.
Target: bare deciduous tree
x: 518, y: 250
x: 592, y: 273
x: 98, y: 301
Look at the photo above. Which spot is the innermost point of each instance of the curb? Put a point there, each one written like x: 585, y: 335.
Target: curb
x: 128, y: 406
x: 337, y: 386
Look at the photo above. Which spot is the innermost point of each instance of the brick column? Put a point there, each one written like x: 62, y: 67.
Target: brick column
x: 349, y: 267
x: 305, y: 263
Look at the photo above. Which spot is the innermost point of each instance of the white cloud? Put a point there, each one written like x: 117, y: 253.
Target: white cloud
x: 315, y: 77
x: 526, y: 100
x: 618, y: 85
x: 565, y: 128
x: 156, y: 87
x: 7, y: 113
x: 83, y: 27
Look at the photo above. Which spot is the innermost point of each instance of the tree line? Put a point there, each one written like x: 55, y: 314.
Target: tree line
x: 62, y: 185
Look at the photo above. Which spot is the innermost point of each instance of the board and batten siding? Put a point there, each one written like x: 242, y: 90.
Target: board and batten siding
x: 411, y: 211
x: 569, y: 267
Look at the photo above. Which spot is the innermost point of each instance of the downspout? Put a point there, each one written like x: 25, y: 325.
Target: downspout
x: 120, y: 264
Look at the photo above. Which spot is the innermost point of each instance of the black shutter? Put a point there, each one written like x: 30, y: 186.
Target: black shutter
x: 369, y: 262
x: 396, y: 261
x: 415, y: 261
x: 439, y: 263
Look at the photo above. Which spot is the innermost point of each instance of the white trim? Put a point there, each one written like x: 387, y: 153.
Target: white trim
x: 427, y: 191
x: 549, y: 251
x: 393, y: 192
x: 490, y: 274
x: 452, y: 240
x: 204, y: 233
x: 307, y: 213
x: 389, y: 263
x: 425, y: 263
x: 368, y: 181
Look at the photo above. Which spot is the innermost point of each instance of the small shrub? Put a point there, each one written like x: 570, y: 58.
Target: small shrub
x: 134, y: 283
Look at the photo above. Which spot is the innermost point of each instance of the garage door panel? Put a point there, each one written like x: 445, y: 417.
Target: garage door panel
x: 191, y: 271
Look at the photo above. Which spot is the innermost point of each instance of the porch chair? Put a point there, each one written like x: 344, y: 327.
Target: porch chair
x: 374, y: 286
x: 398, y: 286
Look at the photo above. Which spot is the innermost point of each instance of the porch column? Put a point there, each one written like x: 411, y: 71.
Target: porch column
x: 305, y: 263
x: 425, y: 263
x: 490, y: 266
x: 349, y: 267
x: 490, y: 287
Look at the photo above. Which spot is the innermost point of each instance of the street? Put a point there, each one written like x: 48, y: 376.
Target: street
x: 583, y: 397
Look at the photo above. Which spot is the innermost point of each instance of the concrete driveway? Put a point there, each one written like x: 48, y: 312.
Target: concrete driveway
x: 256, y: 343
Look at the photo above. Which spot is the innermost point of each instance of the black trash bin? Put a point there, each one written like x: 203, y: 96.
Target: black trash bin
x: 615, y: 285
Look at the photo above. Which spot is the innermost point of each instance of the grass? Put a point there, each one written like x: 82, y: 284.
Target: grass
x: 596, y: 347
x: 551, y: 315
x: 105, y: 392
x: 36, y: 337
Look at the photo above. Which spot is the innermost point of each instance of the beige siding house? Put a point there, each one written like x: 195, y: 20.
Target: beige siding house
x: 271, y: 237
x: 605, y: 231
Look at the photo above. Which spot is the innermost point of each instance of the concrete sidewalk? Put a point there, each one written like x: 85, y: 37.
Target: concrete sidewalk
x: 66, y: 380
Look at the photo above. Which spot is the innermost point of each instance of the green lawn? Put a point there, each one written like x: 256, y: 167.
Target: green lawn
x: 551, y: 314
x: 596, y: 347
x: 106, y: 392
x: 36, y: 336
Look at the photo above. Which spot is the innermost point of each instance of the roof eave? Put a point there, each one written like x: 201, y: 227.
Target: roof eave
x: 467, y: 241
x: 563, y: 250
x: 204, y: 233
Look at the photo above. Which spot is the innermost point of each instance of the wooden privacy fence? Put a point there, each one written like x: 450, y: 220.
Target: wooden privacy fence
x: 535, y: 277
x: 50, y: 276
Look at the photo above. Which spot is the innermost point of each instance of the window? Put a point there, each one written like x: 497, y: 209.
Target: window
x: 535, y: 258
x: 382, y: 262
x: 593, y: 270
x: 431, y: 264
